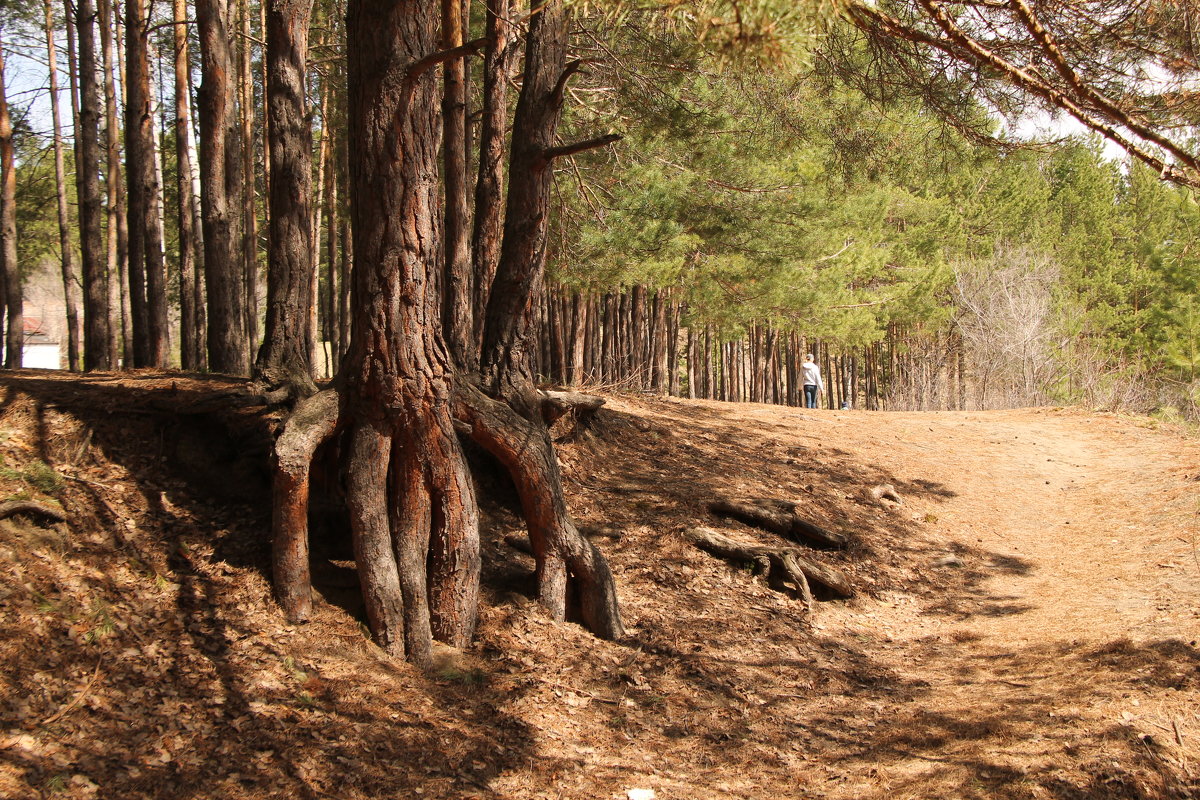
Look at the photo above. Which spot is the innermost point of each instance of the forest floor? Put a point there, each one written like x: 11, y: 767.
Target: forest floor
x: 1026, y: 621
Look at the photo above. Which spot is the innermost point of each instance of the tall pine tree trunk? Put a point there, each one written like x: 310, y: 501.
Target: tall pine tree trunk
x: 458, y: 317
x: 66, y: 246
x: 191, y: 347
x: 119, y: 323
x: 14, y: 340
x: 249, y: 238
x: 411, y: 501
x: 147, y: 279
x: 489, y: 188
x: 220, y: 188
x: 284, y: 357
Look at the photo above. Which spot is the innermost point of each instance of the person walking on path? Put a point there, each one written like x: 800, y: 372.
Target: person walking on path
x: 812, y: 381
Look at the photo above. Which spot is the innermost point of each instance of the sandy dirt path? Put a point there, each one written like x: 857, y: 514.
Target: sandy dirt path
x: 1078, y: 629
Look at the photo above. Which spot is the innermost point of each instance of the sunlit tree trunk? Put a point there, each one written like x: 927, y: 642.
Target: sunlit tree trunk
x: 147, y: 278
x: 458, y: 316
x: 190, y: 344
x: 284, y: 357
x: 120, y: 320
x: 489, y: 187
x: 15, y: 338
x: 65, y: 243
x: 220, y: 190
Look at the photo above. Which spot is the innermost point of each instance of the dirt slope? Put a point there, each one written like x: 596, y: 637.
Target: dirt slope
x: 1026, y: 625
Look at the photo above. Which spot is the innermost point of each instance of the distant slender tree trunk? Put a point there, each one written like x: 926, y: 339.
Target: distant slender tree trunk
x: 489, y: 188
x: 458, y: 317
x: 220, y: 188
x: 66, y: 246
x: 579, y: 328
x: 312, y: 330
x: 146, y: 276
x: 191, y: 348
x: 344, y: 270
x: 608, y: 366
x: 15, y: 339
x: 709, y: 388
x: 249, y: 242
x: 658, y: 343
x: 332, y: 284
x: 120, y: 322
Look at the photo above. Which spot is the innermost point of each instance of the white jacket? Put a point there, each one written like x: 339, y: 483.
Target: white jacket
x: 812, y: 375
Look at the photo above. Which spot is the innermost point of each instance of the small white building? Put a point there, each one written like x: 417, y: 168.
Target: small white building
x: 41, y: 350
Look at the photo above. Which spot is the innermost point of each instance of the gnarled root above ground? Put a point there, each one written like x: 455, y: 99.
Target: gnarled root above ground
x: 562, y: 553
x: 789, y: 563
x: 777, y: 516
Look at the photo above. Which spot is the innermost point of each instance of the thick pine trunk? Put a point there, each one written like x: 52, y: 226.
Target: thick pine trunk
x: 284, y: 356
x: 220, y: 188
x: 410, y: 495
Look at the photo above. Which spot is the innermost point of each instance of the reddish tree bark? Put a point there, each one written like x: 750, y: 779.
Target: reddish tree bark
x: 15, y: 338
x: 458, y: 316
x: 66, y: 246
x: 119, y: 324
x: 147, y: 279
x: 410, y: 495
x: 489, y: 188
x: 220, y: 188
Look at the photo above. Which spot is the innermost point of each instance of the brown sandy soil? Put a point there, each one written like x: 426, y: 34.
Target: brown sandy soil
x: 1026, y: 624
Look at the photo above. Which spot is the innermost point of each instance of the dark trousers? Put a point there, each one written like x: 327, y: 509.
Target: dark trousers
x: 810, y: 396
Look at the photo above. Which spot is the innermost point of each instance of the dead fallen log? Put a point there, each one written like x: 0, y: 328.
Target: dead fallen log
x: 777, y: 516
x: 32, y: 508
x: 790, y: 562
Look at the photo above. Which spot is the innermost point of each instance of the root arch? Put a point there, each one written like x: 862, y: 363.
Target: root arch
x: 414, y: 517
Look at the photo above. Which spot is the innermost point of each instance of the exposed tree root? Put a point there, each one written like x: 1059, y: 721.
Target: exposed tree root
x: 11, y: 508
x: 312, y: 422
x: 562, y: 553
x: 790, y: 562
x: 777, y: 516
